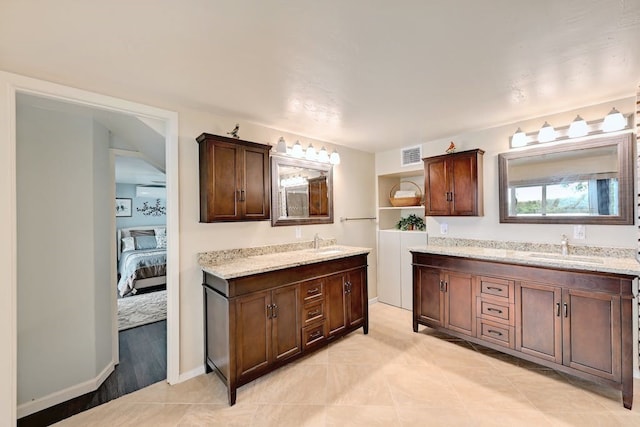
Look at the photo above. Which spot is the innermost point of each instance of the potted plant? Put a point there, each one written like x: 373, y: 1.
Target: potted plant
x: 411, y: 222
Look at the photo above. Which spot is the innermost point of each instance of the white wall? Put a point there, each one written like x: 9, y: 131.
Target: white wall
x: 495, y: 141
x: 64, y: 213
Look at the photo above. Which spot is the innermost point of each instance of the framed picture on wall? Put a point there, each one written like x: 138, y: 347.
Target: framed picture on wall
x: 123, y: 207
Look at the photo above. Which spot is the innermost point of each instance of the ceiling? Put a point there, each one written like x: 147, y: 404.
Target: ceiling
x: 368, y: 74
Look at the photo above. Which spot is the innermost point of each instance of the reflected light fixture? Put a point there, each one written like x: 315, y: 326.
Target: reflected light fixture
x: 281, y: 147
x: 297, y: 151
x: 547, y: 133
x: 578, y: 127
x: 614, y: 121
x: 519, y: 139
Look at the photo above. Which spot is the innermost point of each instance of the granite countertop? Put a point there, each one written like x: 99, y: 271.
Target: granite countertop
x: 608, y: 264
x: 254, y: 262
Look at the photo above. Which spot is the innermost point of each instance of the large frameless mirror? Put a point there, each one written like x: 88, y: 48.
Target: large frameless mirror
x: 301, y: 191
x: 590, y: 182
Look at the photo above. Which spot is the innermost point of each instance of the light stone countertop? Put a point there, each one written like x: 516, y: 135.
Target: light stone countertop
x: 261, y: 263
x: 628, y: 266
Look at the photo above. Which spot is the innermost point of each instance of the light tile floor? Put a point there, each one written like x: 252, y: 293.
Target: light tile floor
x: 390, y: 377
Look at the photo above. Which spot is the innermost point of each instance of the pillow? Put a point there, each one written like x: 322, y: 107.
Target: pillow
x: 145, y: 242
x: 128, y: 244
x: 161, y: 237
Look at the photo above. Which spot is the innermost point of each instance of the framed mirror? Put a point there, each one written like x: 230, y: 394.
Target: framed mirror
x: 589, y: 182
x: 301, y: 191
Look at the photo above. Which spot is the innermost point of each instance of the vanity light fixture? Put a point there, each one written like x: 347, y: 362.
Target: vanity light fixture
x: 547, y: 133
x: 297, y: 151
x: 614, y: 121
x: 310, y: 153
x: 335, y: 158
x: 323, y: 155
x: 519, y: 139
x: 578, y: 127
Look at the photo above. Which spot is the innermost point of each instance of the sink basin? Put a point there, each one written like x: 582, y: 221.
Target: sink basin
x: 328, y: 251
x: 568, y: 258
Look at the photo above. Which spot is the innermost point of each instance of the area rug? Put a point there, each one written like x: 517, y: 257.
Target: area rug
x: 138, y: 310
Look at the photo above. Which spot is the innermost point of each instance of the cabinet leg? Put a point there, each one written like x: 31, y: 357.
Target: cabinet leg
x: 627, y: 394
x: 231, y: 391
x: 415, y: 326
x: 207, y: 368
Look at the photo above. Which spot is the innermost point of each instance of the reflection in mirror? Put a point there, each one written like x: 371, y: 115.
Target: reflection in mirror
x: 301, y: 191
x: 590, y: 182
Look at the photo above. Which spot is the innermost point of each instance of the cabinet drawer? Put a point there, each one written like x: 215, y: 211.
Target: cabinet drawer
x: 313, y: 312
x: 496, y: 333
x: 311, y: 291
x: 314, y: 334
x: 497, y: 288
x: 496, y: 310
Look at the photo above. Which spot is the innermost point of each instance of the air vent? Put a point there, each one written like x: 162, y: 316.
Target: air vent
x: 411, y: 156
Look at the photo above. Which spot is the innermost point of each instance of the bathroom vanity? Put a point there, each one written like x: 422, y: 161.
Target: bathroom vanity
x: 573, y: 314
x: 264, y: 310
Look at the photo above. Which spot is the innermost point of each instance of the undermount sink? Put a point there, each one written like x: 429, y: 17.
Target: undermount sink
x: 568, y: 258
x: 328, y: 250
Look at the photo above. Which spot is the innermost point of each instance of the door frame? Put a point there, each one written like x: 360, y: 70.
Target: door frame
x: 10, y: 85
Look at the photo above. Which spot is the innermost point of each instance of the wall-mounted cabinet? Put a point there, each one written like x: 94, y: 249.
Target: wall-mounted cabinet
x: 234, y: 179
x: 453, y: 184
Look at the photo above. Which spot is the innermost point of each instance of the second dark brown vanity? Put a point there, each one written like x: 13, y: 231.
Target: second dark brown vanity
x: 572, y: 320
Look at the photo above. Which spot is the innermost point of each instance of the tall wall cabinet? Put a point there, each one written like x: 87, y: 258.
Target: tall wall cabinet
x: 234, y: 179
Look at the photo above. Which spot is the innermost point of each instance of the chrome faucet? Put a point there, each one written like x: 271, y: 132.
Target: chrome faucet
x: 564, y: 245
x: 316, y: 241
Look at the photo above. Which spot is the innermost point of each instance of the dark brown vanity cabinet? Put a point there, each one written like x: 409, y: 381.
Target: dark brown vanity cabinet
x: 318, y: 196
x: 445, y: 299
x: 583, y: 330
x: 574, y: 321
x: 254, y: 324
x: 453, y: 184
x: 234, y: 179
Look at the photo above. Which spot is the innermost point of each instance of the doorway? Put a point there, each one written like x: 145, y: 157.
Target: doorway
x: 15, y: 85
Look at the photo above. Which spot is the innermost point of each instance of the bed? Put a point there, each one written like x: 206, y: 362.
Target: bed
x: 142, y: 258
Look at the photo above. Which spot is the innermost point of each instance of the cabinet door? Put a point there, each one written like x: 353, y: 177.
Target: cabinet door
x: 253, y: 332
x: 436, y: 187
x: 356, y: 297
x: 592, y: 333
x: 286, y: 337
x: 224, y: 189
x: 254, y: 194
x: 428, y: 298
x: 462, y: 174
x: 539, y: 321
x: 460, y: 303
x: 336, y: 304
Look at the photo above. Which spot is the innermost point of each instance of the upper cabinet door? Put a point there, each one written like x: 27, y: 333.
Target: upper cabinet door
x: 453, y: 184
x: 234, y: 179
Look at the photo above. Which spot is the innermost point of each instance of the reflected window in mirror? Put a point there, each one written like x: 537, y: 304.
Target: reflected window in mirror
x: 589, y: 182
x: 302, y: 191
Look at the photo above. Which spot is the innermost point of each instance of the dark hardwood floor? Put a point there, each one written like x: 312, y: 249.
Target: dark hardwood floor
x: 143, y: 361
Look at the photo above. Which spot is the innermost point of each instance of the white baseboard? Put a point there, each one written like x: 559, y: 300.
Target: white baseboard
x: 67, y: 394
x: 190, y: 374
x: 373, y: 300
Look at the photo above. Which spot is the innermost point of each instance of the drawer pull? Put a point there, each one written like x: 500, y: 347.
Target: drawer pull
x: 315, y: 334
x: 557, y: 309
x: 494, y: 309
x: 493, y: 288
x: 313, y: 313
x: 494, y: 332
x: 313, y: 291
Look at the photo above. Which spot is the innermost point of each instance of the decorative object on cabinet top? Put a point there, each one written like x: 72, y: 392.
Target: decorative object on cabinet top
x: 234, y: 132
x: 231, y: 263
x: 452, y: 148
x: 586, y: 258
x: 399, y: 197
